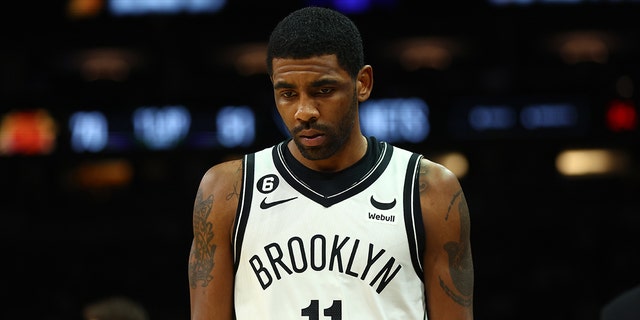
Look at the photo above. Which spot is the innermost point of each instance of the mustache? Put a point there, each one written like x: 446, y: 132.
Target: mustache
x: 310, y: 125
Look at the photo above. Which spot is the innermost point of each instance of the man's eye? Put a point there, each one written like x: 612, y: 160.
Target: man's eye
x: 325, y: 90
x: 287, y: 94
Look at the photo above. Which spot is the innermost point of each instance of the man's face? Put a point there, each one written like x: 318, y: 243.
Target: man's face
x: 317, y: 102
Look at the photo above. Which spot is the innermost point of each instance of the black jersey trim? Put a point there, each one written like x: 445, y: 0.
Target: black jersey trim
x: 244, y: 206
x: 328, y: 200
x: 413, y: 214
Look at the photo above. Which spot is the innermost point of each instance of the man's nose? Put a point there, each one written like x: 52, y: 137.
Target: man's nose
x: 307, y: 110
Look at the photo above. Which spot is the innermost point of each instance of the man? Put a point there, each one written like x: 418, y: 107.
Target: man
x: 328, y: 224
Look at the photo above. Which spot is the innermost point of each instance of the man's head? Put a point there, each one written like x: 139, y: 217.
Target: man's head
x: 315, y: 31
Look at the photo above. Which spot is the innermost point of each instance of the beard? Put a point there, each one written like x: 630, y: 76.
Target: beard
x: 336, y: 136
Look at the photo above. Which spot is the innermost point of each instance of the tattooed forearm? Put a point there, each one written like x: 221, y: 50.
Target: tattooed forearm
x: 460, y: 261
x: 202, y: 249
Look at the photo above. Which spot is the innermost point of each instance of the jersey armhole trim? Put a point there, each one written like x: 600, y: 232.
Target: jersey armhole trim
x: 413, y: 214
x: 244, y: 204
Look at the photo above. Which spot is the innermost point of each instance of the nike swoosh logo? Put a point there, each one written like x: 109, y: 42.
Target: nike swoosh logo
x: 266, y: 205
x: 383, y: 205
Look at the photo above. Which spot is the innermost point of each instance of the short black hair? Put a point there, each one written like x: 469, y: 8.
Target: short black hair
x: 314, y: 31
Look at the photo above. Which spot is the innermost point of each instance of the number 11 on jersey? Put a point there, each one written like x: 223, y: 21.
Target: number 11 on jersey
x: 313, y: 310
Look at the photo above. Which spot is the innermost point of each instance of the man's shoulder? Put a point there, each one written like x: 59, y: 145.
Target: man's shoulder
x: 232, y: 165
x: 226, y: 172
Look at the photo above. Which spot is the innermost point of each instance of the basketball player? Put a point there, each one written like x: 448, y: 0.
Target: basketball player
x: 328, y: 224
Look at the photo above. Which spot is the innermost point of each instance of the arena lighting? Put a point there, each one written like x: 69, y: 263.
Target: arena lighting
x: 161, y: 128
x: 248, y: 58
x: 236, y: 126
x: 428, y: 52
x: 28, y: 132
x: 165, y: 7
x: 106, y: 63
x: 79, y: 9
x: 353, y: 6
x: 454, y: 161
x: 396, y: 119
x: 592, y: 162
x: 622, y: 116
x: 516, y: 117
x: 89, y: 131
x: 103, y: 173
x: 584, y: 46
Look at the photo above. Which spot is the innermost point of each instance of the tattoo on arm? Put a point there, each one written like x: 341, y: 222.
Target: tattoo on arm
x: 201, y: 257
x: 453, y: 200
x: 423, y: 184
x: 459, y: 252
x: 460, y: 261
x: 234, y: 193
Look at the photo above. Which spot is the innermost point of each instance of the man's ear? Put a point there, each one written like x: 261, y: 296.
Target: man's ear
x: 364, y: 83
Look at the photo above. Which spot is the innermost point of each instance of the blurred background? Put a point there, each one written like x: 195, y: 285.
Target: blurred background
x: 111, y: 111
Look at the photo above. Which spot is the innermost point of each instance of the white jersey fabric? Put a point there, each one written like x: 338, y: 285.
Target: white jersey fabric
x: 352, y: 254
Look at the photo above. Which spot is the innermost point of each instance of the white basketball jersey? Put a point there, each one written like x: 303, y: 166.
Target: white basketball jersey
x: 352, y: 254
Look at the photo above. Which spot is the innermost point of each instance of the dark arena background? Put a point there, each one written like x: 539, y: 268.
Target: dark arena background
x: 111, y: 111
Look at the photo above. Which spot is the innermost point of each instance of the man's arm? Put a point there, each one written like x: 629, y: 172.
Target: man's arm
x: 211, y: 257
x: 447, y: 261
